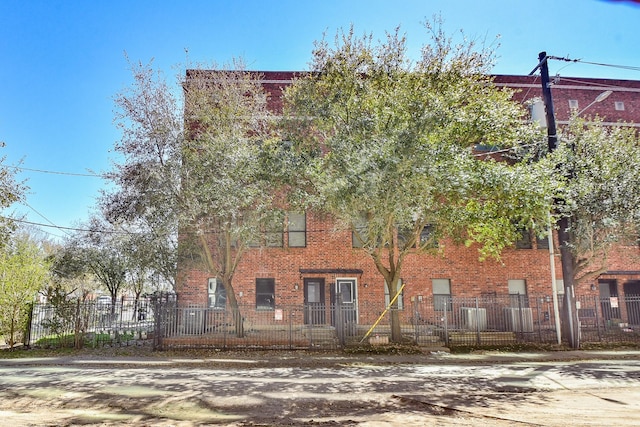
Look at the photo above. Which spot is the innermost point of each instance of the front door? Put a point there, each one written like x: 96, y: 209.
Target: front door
x: 609, y: 299
x: 344, y: 298
x: 632, y: 299
x: 314, y: 302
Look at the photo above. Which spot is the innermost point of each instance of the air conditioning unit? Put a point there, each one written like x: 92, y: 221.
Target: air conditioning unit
x: 192, y: 321
x: 518, y: 319
x: 473, y: 319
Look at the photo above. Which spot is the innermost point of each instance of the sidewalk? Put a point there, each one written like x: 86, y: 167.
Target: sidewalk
x: 262, y: 359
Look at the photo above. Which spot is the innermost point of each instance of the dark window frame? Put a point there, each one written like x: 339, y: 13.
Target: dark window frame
x: 441, y: 300
x: 265, y: 294
x: 297, y: 229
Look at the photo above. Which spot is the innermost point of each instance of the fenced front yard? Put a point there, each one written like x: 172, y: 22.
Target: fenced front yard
x: 430, y: 322
x: 92, y: 324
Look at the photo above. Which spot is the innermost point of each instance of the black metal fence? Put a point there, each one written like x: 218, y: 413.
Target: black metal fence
x: 432, y: 322
x: 92, y: 323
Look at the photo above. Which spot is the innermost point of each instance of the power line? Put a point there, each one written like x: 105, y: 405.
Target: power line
x: 61, y: 228
x: 45, y: 218
x: 600, y: 64
x: 92, y: 175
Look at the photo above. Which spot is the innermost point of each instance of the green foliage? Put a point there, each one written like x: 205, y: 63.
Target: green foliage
x: 11, y: 191
x: 64, y: 311
x: 88, y: 340
x: 387, y: 145
x: 227, y: 199
x: 144, y: 199
x: 397, y: 139
x: 601, y: 197
x: 23, y: 272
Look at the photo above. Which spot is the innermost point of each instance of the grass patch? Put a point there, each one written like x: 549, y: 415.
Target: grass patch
x: 89, y: 340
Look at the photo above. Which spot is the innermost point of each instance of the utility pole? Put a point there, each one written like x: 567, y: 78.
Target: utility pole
x: 570, y: 327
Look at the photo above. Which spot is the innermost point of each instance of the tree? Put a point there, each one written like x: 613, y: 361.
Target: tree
x: 226, y: 199
x: 206, y: 182
x: 139, y: 250
x: 144, y: 200
x: 100, y: 248
x: 602, y: 197
x: 11, y: 191
x: 70, y: 285
x: 601, y: 202
x: 387, y: 146
x: 70, y: 276
x: 23, y: 272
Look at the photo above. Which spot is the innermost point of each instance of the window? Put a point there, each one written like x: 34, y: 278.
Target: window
x: 619, y: 105
x: 573, y: 104
x: 428, y: 237
x: 265, y: 294
x: 518, y: 292
x: 359, y: 233
x: 400, y: 299
x: 542, y: 242
x: 297, y: 230
x: 441, y: 294
x: 524, y: 241
x: 271, y: 232
x: 274, y: 230
x: 347, y: 290
x: 217, y: 294
x: 404, y: 236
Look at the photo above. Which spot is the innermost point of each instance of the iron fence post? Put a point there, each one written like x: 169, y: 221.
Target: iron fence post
x: 521, y: 315
x: 157, y: 323
x: 290, y: 328
x: 446, y: 322
x: 538, y: 317
x: 478, y: 338
x: 340, y: 320
x: 416, y: 332
x: 595, y: 306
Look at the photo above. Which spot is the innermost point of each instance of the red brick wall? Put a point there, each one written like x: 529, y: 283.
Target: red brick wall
x: 332, y: 250
x: 469, y: 277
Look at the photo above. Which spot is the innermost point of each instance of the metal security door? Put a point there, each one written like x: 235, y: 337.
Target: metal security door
x: 345, y: 300
x: 314, y: 302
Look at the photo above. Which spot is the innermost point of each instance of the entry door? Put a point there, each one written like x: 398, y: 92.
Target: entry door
x: 609, y: 290
x: 632, y: 299
x: 347, y: 290
x: 314, y: 302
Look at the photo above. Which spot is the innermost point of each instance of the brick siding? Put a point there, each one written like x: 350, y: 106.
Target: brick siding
x: 468, y: 276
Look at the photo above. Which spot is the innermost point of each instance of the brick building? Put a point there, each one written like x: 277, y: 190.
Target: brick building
x: 313, y: 262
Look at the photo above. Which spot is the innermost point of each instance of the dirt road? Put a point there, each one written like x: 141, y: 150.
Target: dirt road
x: 303, y: 390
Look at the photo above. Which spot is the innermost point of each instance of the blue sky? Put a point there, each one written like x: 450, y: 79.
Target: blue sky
x: 61, y: 63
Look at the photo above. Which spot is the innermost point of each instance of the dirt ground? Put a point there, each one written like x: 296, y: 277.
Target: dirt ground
x: 321, y: 389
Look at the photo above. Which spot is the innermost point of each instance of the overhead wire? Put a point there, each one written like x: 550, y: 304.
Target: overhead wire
x: 601, y: 64
x: 46, y: 219
x: 61, y: 228
x: 92, y: 175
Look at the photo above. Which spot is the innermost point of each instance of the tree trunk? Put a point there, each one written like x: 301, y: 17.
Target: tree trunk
x: 394, y: 313
x: 236, y: 314
x: 12, y: 330
x: 570, y: 327
x: 396, y: 331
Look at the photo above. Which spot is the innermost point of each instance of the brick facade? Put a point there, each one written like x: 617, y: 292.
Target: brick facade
x: 329, y: 255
